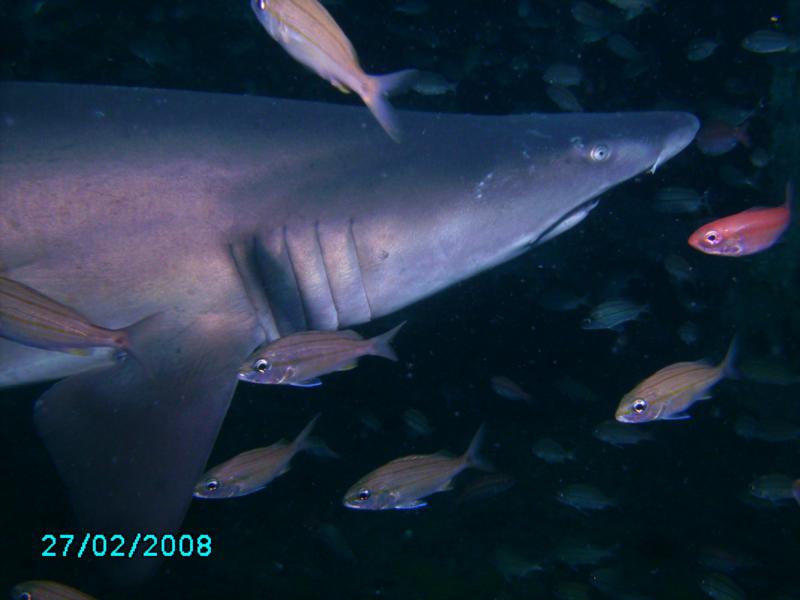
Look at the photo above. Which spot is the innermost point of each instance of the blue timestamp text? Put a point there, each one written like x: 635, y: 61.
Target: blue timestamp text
x: 147, y: 545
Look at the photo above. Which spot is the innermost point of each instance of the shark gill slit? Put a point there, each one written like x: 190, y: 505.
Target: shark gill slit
x: 351, y: 238
x: 293, y: 269
x: 327, y: 274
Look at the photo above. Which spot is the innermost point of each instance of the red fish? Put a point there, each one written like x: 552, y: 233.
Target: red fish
x: 716, y: 138
x: 747, y: 232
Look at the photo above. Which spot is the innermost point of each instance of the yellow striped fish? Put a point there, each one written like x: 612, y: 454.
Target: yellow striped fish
x: 309, y: 34
x: 668, y: 393
x: 33, y: 319
x: 46, y: 590
x: 251, y: 471
x: 402, y: 483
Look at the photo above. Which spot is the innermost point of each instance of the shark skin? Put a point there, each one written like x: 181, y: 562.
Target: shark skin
x: 242, y: 219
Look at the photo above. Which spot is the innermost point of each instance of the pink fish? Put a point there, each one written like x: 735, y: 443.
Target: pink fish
x: 717, y: 138
x: 747, y: 232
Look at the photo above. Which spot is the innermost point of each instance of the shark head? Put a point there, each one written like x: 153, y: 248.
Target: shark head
x: 527, y: 181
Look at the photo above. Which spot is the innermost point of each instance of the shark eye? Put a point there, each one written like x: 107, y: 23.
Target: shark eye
x: 600, y: 153
x: 712, y: 237
x: 363, y: 495
x: 212, y: 485
x: 261, y: 365
x: 639, y: 406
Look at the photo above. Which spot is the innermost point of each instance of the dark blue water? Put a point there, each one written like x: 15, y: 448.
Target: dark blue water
x: 681, y: 498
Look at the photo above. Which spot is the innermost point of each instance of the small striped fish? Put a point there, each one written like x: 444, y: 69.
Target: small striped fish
x: 33, y: 319
x: 613, y: 314
x: 309, y: 34
x: 299, y: 359
x: 670, y: 392
x: 402, y: 483
x: 46, y: 590
x: 251, y: 471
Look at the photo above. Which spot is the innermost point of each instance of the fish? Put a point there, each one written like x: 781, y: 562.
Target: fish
x: 550, y: 451
x: 680, y: 200
x: 563, y: 75
x: 773, y: 431
x: 796, y: 490
x: 578, y: 553
x: 34, y: 319
x: 679, y: 269
x: 571, y: 590
x: 584, y: 497
x: 307, y: 31
x: 504, y: 387
x: 774, y: 487
x: 717, y: 137
x: 767, y: 41
x: 748, y: 232
x: 513, y: 566
x: 403, y: 483
x: 46, y: 590
x: 619, y: 435
x: 624, y: 48
x: 563, y: 98
x: 671, y: 391
x: 252, y: 471
x: 633, y: 8
x: 701, y: 48
x: 432, y: 84
x: 485, y: 487
x: 301, y: 358
x: 721, y: 587
x: 613, y: 314
x: 689, y: 333
x: 242, y: 221
x: 416, y: 423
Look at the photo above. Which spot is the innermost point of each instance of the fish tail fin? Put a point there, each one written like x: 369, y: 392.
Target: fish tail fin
x: 727, y: 368
x: 472, y: 457
x: 381, y: 345
x: 377, y: 100
x: 138, y: 335
x: 302, y: 441
x: 743, y: 135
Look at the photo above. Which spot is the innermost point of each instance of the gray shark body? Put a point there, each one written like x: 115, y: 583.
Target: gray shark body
x: 242, y: 219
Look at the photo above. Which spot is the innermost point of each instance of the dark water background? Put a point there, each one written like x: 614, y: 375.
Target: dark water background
x: 678, y: 496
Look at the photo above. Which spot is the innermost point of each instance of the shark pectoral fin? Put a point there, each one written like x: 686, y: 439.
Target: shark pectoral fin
x: 308, y: 383
x: 131, y: 444
x: 411, y: 505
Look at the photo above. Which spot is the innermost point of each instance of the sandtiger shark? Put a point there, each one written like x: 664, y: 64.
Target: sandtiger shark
x: 241, y: 219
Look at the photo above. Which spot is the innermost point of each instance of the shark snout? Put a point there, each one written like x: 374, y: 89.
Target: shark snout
x: 680, y: 130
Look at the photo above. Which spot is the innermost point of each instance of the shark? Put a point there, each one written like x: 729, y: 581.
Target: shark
x: 239, y: 220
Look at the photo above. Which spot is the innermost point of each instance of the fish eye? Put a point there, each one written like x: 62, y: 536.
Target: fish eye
x: 600, y: 153
x: 712, y: 237
x: 212, y: 485
x: 261, y: 365
x: 639, y: 406
x: 25, y: 596
x: 363, y: 495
